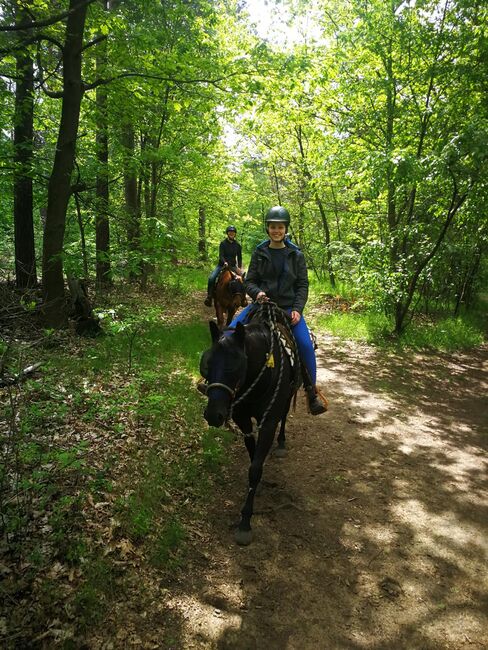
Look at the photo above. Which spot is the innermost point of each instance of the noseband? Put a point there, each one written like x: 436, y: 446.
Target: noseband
x: 219, y: 385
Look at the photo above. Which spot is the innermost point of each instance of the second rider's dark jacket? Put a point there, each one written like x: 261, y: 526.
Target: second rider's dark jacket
x: 289, y: 289
x: 230, y: 252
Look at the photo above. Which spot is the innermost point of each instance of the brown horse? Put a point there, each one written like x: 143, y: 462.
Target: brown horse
x: 229, y: 295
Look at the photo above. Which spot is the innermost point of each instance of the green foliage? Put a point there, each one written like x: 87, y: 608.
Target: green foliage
x: 215, y: 443
x: 449, y: 334
x: 100, y: 583
x: 167, y: 547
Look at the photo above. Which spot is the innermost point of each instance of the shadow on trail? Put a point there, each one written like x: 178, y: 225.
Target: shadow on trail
x: 373, y: 530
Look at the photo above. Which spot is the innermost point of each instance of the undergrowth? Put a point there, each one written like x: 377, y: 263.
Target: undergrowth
x: 106, y: 461
x: 348, y: 315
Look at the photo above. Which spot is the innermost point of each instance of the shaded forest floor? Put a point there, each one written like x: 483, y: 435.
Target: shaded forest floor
x: 371, y: 533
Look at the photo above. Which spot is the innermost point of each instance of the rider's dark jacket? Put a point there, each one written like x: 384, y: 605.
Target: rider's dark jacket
x: 230, y: 252
x: 289, y: 289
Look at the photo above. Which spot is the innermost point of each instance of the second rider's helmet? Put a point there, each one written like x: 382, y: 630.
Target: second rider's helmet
x: 231, y: 229
x: 278, y: 213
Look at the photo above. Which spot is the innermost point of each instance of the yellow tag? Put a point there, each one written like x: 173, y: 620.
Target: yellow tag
x: 270, y: 361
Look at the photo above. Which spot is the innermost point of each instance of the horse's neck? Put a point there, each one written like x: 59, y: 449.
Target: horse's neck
x: 258, y: 345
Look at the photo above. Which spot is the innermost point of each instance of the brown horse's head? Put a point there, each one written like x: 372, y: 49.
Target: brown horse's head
x: 229, y: 295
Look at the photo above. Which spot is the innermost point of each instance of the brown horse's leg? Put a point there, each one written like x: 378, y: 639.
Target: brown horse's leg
x: 219, y: 313
x: 230, y: 315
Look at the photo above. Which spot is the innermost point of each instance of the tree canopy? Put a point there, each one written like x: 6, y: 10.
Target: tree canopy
x: 133, y: 132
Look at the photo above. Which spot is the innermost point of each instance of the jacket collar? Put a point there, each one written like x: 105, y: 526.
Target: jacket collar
x: 290, y: 248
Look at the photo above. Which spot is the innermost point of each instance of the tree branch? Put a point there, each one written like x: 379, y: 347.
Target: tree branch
x: 124, y: 75
x: 47, y: 21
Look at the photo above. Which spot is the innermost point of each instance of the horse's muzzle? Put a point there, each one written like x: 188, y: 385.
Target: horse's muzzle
x: 214, y: 417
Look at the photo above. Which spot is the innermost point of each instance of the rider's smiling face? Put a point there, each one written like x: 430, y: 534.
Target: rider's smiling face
x: 276, y: 231
x: 231, y: 234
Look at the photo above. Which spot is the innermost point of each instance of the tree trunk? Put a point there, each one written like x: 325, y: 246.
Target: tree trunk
x: 170, y: 221
x: 59, y: 187
x: 318, y: 201
x: 25, y: 255
x: 402, y: 306
x: 102, y: 226
x: 202, y: 240
x: 131, y: 202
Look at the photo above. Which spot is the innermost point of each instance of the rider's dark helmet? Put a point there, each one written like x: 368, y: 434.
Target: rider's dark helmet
x: 278, y: 213
x: 230, y: 229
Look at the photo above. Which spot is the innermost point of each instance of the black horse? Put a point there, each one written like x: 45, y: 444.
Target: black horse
x: 250, y: 375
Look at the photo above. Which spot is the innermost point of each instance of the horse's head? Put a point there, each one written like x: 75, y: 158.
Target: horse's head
x: 224, y: 366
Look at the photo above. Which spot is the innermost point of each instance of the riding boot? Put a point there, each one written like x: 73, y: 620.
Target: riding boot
x: 314, y: 403
x: 208, y: 301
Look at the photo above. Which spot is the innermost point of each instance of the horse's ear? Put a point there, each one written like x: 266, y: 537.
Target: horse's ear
x: 214, y: 331
x: 240, y: 334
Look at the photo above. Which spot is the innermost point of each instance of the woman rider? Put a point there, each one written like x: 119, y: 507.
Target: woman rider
x: 230, y: 253
x: 278, y: 272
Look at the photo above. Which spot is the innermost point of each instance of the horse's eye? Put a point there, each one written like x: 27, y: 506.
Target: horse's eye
x: 204, y: 363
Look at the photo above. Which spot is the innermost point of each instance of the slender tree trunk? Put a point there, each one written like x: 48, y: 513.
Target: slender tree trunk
x: 82, y: 236
x: 170, y: 220
x: 402, y: 306
x: 131, y: 202
x: 25, y: 255
x: 202, y: 237
x: 320, y: 205
x: 102, y: 226
x: 59, y: 187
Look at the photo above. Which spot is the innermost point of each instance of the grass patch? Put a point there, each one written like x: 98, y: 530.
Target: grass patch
x: 368, y: 327
x: 447, y: 334
x: 348, y: 316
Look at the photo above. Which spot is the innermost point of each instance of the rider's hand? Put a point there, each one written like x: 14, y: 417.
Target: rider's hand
x: 262, y: 297
x: 295, y: 317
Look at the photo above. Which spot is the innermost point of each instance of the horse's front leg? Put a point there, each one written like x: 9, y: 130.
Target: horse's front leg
x: 281, y: 451
x: 219, y: 313
x: 243, y: 534
x: 244, y: 423
x: 230, y: 315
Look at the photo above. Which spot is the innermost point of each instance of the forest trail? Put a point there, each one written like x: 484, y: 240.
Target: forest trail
x: 373, y: 531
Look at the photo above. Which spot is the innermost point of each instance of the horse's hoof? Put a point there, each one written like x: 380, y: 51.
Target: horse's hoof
x: 243, y: 537
x: 280, y: 452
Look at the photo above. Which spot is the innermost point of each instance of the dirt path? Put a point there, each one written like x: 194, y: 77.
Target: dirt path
x: 372, y: 533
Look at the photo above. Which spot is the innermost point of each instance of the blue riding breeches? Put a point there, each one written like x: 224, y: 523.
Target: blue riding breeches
x: 302, y: 337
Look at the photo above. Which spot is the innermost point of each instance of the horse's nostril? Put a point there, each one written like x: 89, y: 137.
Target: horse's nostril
x: 214, y: 419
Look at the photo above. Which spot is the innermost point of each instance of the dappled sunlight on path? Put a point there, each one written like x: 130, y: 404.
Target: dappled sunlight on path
x: 372, y: 533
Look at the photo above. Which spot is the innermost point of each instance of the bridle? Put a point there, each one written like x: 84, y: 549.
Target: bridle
x: 270, y: 307
x: 217, y: 384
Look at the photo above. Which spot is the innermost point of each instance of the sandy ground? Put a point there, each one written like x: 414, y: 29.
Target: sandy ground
x: 371, y: 533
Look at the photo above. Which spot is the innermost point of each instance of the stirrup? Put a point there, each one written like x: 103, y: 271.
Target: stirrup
x: 317, y: 402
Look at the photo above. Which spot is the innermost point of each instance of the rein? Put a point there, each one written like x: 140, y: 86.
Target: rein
x: 270, y: 307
